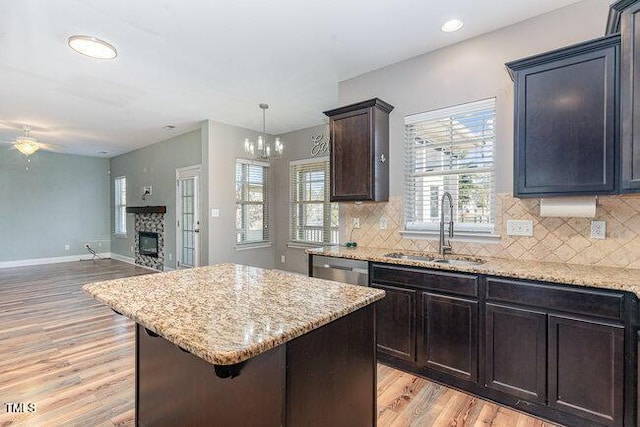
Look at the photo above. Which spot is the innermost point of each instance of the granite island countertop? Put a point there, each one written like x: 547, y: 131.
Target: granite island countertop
x: 624, y: 279
x: 228, y: 313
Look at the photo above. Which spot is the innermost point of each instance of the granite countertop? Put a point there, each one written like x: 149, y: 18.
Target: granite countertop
x: 228, y: 313
x: 624, y: 279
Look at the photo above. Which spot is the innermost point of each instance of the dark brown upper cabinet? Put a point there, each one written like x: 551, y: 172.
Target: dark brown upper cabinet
x: 566, y: 120
x: 630, y: 97
x: 359, y: 141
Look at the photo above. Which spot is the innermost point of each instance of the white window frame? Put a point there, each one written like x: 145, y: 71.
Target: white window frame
x: 266, y: 235
x: 327, y: 207
x: 120, y: 208
x: 413, y: 228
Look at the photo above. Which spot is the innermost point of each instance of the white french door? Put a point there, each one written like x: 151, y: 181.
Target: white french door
x: 188, y: 217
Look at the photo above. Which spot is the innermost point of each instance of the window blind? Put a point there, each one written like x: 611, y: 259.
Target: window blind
x: 313, y: 219
x: 252, y: 201
x: 451, y: 149
x: 120, y: 214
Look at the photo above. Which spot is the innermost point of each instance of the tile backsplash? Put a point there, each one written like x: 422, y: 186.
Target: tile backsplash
x: 554, y: 239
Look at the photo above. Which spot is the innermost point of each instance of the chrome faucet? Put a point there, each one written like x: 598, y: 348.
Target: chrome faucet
x: 443, y: 247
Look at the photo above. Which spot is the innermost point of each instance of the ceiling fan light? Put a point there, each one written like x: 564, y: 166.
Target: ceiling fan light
x: 92, y: 47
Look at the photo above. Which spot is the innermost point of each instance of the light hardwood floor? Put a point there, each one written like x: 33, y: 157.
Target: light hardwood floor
x: 73, y: 358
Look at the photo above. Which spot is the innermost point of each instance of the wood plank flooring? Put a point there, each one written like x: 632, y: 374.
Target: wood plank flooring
x: 73, y: 359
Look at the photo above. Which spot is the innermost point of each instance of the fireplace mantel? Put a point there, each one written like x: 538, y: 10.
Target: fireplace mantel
x: 146, y: 209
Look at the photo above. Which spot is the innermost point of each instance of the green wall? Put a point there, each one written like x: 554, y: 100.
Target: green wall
x: 155, y: 165
x: 61, y: 200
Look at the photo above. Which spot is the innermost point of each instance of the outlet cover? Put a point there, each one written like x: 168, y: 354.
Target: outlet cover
x: 384, y: 223
x: 520, y: 227
x: 67, y: 247
x: 598, y: 229
x: 283, y: 259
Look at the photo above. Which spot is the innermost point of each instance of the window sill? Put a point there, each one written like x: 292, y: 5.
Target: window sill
x: 459, y: 236
x: 257, y: 245
x: 304, y: 245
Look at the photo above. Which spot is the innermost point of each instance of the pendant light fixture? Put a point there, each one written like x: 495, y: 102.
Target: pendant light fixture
x: 263, y: 149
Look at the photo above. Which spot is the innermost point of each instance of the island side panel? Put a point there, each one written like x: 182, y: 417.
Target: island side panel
x: 331, y: 373
x: 174, y: 387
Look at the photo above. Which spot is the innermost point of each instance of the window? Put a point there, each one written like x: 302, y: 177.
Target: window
x: 313, y: 219
x: 252, y: 202
x: 451, y: 149
x: 120, y: 203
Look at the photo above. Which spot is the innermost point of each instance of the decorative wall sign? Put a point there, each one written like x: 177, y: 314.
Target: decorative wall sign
x: 319, y: 145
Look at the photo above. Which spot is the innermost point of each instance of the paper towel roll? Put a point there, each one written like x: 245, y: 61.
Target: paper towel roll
x: 575, y: 207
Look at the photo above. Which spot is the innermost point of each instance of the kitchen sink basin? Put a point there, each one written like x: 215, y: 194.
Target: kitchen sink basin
x: 398, y: 255
x: 429, y: 258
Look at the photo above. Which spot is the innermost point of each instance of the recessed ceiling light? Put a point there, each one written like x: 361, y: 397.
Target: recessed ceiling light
x: 92, y: 47
x: 168, y: 127
x: 452, y: 25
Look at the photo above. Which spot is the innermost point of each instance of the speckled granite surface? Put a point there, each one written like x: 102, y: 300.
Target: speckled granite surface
x: 625, y: 279
x: 228, y: 313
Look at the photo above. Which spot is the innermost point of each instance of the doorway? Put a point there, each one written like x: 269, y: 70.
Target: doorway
x: 188, y: 216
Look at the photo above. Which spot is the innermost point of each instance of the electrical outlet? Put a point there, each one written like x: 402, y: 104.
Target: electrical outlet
x: 519, y: 227
x: 384, y: 223
x: 283, y: 259
x: 170, y: 257
x: 598, y: 229
x: 131, y: 249
x: 356, y: 222
x: 215, y: 213
x: 67, y: 247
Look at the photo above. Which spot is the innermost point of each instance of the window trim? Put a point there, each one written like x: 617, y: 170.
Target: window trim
x: 326, y: 203
x: 467, y: 232
x: 116, y: 231
x: 266, y: 227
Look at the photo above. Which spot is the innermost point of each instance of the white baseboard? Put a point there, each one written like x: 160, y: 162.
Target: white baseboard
x: 54, y: 260
x: 127, y: 259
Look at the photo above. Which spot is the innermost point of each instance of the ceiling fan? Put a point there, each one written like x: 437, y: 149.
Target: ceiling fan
x: 28, y: 145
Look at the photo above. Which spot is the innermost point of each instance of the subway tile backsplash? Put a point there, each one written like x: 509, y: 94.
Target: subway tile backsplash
x: 554, y: 239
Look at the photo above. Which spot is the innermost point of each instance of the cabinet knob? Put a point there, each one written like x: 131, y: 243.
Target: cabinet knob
x: 382, y: 158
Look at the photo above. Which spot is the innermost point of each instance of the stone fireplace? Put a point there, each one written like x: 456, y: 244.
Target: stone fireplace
x: 149, y: 233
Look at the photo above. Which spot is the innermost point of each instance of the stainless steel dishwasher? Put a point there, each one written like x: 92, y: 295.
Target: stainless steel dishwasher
x: 341, y: 270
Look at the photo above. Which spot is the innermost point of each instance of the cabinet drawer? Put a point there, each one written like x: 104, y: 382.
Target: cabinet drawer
x: 453, y: 283
x: 550, y: 297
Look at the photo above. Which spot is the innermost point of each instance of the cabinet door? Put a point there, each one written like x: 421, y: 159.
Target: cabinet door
x: 516, y: 351
x: 630, y: 99
x: 586, y: 369
x: 396, y: 322
x: 566, y: 123
x: 351, y: 156
x: 449, y: 334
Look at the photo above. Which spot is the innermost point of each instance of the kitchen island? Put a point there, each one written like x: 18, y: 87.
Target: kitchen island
x: 243, y: 346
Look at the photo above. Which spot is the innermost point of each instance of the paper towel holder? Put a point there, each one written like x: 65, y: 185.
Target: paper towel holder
x: 569, y: 207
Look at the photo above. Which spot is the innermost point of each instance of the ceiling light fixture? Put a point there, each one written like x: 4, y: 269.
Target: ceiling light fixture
x: 263, y: 149
x: 168, y: 127
x: 26, y: 144
x: 452, y: 25
x: 92, y: 47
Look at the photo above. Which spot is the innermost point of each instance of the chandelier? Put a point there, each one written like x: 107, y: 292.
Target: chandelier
x: 263, y: 149
x: 26, y: 144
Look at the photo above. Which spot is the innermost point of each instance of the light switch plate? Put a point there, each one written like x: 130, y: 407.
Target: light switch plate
x: 520, y: 227
x: 598, y: 229
x: 356, y: 222
x: 215, y: 213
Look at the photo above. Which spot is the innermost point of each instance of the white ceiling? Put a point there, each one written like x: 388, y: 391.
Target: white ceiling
x: 182, y: 61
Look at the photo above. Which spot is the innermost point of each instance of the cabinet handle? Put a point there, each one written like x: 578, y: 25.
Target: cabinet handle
x: 382, y: 158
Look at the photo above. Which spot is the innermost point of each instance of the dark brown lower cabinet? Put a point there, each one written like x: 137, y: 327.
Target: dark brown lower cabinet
x: 515, y: 351
x: 449, y: 335
x: 586, y: 368
x: 396, y: 322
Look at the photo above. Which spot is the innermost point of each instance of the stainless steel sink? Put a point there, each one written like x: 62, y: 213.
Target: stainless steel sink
x: 398, y: 255
x: 428, y: 258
